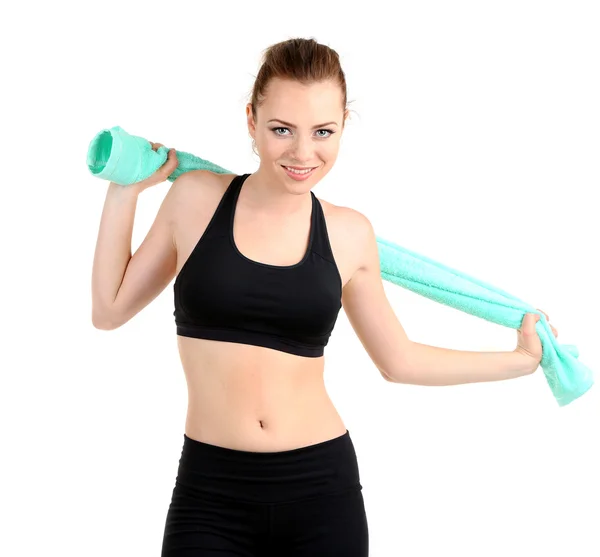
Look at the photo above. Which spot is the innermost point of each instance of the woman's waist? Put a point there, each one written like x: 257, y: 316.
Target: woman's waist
x: 262, y: 426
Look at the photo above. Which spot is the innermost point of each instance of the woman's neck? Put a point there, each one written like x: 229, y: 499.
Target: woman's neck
x: 263, y: 192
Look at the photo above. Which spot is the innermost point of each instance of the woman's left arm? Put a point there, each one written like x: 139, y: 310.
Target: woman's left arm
x: 401, y: 360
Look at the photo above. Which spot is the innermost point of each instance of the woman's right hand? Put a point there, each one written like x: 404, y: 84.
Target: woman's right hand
x: 161, y: 173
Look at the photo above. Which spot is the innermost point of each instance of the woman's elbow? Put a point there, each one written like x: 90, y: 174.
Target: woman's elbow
x: 104, y: 320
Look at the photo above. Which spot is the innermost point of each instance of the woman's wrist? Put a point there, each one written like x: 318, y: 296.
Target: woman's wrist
x: 523, y: 362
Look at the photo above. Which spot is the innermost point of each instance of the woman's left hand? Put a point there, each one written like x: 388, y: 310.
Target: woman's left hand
x: 529, y: 345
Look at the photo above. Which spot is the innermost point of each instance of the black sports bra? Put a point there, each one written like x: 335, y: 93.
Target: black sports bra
x: 220, y: 294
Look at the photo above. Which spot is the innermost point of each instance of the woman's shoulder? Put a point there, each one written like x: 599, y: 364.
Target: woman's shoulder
x: 351, y: 235
x: 200, y: 181
x: 199, y: 187
x: 346, y: 219
x: 196, y: 192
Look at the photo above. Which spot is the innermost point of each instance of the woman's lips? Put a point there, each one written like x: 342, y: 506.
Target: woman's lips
x: 297, y: 173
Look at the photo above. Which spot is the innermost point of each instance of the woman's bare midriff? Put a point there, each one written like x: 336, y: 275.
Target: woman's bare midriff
x: 251, y: 398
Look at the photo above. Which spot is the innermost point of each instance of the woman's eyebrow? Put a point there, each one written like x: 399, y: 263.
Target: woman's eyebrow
x: 293, y: 126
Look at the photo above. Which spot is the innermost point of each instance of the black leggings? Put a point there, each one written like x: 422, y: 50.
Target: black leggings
x: 304, y: 502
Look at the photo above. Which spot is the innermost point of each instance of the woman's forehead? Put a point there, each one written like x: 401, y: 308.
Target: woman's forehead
x: 297, y: 103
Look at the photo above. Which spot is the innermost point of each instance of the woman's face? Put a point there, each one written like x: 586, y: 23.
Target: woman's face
x: 297, y: 130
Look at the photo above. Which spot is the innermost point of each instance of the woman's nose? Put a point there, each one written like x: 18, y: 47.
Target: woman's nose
x: 303, y: 150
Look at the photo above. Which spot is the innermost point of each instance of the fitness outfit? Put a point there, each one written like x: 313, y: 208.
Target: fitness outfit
x: 303, y: 502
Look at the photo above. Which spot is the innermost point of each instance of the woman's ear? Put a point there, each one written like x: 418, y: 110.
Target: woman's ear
x: 250, y: 120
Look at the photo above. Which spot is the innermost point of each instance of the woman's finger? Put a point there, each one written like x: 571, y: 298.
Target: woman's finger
x: 547, y: 318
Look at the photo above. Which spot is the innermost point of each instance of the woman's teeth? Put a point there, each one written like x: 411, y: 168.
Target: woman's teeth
x: 296, y: 171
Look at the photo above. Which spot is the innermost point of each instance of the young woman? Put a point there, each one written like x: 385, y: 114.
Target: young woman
x: 262, y: 268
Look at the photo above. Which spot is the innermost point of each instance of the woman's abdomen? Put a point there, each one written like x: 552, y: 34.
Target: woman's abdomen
x: 252, y: 400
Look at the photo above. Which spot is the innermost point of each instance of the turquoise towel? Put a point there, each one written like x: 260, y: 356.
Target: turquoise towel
x: 567, y: 377
x: 115, y: 155
x: 125, y: 159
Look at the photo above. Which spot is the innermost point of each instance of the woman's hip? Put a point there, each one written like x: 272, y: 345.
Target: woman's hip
x: 325, y: 468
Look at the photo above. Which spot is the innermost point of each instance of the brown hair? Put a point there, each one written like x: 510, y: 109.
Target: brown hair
x: 303, y: 60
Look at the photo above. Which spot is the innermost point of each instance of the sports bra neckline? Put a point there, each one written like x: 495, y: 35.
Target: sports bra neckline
x: 313, y: 216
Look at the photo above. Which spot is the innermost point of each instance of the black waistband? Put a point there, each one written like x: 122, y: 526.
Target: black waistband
x: 267, y: 477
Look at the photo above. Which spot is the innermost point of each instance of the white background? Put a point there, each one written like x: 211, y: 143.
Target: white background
x: 474, y: 140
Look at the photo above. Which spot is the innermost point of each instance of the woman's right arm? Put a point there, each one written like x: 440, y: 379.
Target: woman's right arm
x: 122, y: 284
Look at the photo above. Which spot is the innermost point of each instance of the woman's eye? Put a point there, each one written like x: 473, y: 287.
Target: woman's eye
x: 320, y: 133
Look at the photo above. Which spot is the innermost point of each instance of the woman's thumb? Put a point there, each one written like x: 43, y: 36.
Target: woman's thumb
x: 529, y: 323
x: 172, y: 158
